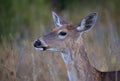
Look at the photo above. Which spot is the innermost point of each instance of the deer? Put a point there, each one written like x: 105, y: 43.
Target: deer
x: 67, y: 39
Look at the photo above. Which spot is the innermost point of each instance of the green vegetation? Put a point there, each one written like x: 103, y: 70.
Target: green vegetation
x: 19, y: 16
x: 22, y: 21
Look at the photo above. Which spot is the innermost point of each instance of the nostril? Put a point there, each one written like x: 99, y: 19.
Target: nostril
x: 37, y: 43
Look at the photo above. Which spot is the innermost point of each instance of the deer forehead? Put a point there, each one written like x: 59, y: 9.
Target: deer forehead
x: 64, y: 27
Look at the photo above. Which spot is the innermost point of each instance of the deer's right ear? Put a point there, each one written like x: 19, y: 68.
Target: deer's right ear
x: 58, y: 20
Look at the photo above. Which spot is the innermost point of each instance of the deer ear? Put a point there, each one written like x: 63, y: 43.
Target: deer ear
x: 58, y: 20
x: 88, y: 22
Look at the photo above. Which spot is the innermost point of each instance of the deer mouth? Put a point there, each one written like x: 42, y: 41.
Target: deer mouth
x: 42, y: 46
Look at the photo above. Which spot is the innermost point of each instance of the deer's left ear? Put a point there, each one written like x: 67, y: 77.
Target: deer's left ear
x: 58, y: 20
x: 87, y: 23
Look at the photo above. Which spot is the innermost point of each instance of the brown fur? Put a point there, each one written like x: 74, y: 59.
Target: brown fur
x: 80, y: 64
x: 72, y: 48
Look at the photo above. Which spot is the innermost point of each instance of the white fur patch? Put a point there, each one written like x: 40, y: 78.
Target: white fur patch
x: 61, y: 37
x: 81, y: 27
x: 71, y: 75
x: 53, y: 49
x: 49, y: 49
x: 39, y: 49
x: 56, y: 19
x: 66, y: 57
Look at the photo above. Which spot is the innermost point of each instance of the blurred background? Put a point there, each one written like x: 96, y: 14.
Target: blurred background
x: 23, y: 21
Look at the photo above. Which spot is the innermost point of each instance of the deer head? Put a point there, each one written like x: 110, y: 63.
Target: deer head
x: 64, y: 33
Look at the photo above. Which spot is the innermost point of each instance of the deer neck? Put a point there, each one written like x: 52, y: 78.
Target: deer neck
x: 77, y: 63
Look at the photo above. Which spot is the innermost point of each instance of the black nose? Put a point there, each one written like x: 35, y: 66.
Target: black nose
x: 37, y: 43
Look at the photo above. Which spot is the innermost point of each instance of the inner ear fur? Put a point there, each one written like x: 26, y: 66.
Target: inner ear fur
x: 87, y: 22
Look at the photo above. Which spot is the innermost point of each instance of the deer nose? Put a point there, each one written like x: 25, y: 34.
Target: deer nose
x: 37, y: 43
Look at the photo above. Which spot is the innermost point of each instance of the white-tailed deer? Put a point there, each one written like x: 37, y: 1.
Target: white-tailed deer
x: 67, y: 39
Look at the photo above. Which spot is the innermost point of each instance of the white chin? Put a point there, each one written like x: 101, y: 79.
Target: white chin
x: 39, y: 49
x: 49, y: 49
x: 52, y: 49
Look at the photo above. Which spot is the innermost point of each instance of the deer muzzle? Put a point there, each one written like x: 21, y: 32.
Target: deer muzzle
x: 40, y: 44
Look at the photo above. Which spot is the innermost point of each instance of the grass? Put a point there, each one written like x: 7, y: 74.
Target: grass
x: 19, y: 61
x: 29, y: 65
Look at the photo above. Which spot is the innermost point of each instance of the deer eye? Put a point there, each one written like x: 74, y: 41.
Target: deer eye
x: 62, y: 33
